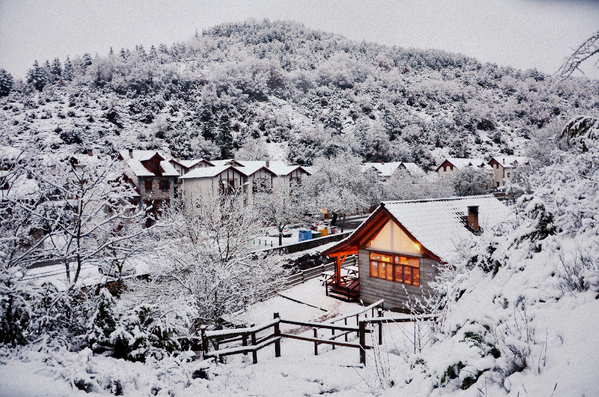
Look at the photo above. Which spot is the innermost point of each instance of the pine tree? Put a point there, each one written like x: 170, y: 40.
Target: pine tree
x: 123, y: 54
x: 225, y: 137
x: 36, y: 76
x: 68, y: 73
x: 56, y: 67
x: 6, y: 82
x: 153, y: 53
x: 87, y: 60
x: 141, y: 52
x: 207, y: 121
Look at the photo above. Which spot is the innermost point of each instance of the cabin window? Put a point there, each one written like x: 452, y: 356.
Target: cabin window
x: 148, y: 186
x: 396, y: 268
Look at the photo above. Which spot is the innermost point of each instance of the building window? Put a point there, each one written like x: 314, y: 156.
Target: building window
x: 396, y: 268
x: 508, y: 174
x: 165, y: 185
x: 148, y: 186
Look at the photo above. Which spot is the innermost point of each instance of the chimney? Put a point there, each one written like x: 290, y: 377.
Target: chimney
x: 90, y: 152
x: 130, y: 153
x: 473, y: 217
x: 267, y: 163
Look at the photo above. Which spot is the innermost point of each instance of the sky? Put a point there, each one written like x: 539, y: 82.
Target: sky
x: 523, y: 34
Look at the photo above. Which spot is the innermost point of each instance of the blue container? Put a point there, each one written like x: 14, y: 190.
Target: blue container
x: 305, y: 235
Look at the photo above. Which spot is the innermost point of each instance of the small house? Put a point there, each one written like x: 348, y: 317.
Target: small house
x: 152, y: 175
x: 503, y: 167
x: 402, y: 244
x: 450, y: 165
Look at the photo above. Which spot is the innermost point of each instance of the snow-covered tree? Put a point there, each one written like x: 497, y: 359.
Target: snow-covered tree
x: 585, y: 51
x: 6, y: 82
x: 36, y: 77
x: 280, y: 208
x: 471, y: 181
x: 338, y: 185
x: 85, y: 208
x: 207, y: 268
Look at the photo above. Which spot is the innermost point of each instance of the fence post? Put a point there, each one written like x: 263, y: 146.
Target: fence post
x: 244, y: 342
x: 204, y: 340
x: 380, y: 314
x: 345, y: 319
x: 255, y: 352
x: 315, y: 343
x: 362, y: 333
x: 277, y: 335
x: 333, y: 333
x: 415, y: 321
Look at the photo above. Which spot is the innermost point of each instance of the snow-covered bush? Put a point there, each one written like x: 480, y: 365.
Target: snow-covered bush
x: 134, y: 335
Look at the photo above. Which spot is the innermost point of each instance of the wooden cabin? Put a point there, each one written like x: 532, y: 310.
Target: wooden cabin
x: 402, y: 244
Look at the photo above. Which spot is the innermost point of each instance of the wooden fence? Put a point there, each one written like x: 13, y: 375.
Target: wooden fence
x: 252, y: 342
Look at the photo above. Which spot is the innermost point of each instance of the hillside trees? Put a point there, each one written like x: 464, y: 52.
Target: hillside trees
x: 321, y: 93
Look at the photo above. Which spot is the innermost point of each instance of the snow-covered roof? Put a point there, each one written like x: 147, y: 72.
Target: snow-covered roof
x: 189, y: 163
x: 414, y: 169
x: 463, y: 163
x: 510, y: 161
x: 438, y: 224
x: 135, y: 165
x: 206, y: 172
x: 250, y: 169
x: 386, y: 169
x: 138, y: 169
x: 168, y: 169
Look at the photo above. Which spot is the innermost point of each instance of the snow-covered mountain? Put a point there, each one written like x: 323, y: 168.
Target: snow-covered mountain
x: 250, y: 84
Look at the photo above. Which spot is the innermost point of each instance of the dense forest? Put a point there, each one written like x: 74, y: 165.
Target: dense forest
x: 278, y: 89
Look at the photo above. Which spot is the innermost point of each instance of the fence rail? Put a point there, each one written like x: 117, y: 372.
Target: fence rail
x: 252, y: 343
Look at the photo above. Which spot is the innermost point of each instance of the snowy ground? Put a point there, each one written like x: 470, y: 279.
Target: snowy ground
x: 298, y: 372
x: 567, y: 367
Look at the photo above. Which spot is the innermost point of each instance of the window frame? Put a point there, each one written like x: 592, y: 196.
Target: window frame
x: 388, y: 264
x: 165, y: 184
x: 148, y: 183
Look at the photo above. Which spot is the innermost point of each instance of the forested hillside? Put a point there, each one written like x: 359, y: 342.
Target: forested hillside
x: 236, y: 88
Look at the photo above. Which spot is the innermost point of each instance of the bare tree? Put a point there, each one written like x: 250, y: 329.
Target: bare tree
x: 586, y: 50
